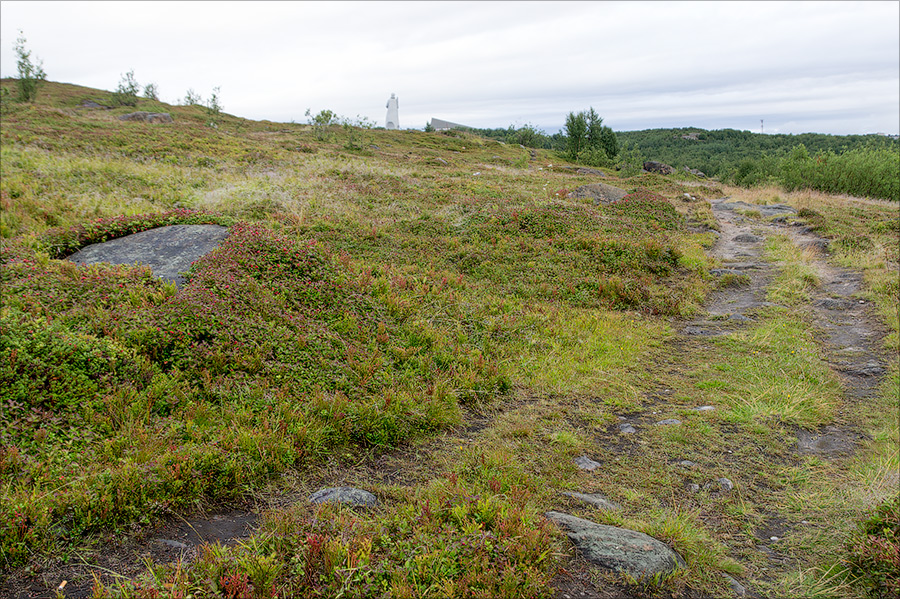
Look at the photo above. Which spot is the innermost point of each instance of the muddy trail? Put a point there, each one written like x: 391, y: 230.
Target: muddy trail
x: 850, y: 339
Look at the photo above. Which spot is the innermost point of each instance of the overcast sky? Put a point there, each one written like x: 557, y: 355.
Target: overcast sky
x: 825, y: 67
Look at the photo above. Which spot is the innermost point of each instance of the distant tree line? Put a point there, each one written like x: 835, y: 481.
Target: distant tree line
x: 864, y: 165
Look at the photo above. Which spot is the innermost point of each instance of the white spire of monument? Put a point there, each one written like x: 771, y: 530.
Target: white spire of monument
x: 393, y: 119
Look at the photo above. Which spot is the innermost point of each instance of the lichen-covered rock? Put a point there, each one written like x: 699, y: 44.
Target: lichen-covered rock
x: 168, y: 251
x: 345, y: 495
x: 618, y: 549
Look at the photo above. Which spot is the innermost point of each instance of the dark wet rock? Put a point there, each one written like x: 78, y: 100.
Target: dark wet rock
x: 168, y: 251
x: 747, y: 238
x: 652, y: 166
x: 870, y: 368
x: 721, y: 272
x: 830, y: 303
x: 618, y: 549
x: 668, y: 422
x: 148, y: 117
x: 585, y: 463
x: 344, y: 495
x: 627, y: 429
x: 583, y: 170
x: 595, y: 499
x: 599, y: 192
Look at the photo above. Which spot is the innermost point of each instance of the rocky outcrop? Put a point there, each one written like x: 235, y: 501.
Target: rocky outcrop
x: 695, y: 172
x: 147, y: 117
x: 168, y: 251
x: 618, y: 549
x: 651, y: 166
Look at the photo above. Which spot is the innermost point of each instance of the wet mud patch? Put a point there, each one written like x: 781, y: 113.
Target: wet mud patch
x: 118, y: 557
x: 830, y: 442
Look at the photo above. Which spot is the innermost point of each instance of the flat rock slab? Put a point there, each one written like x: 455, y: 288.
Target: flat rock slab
x: 618, y: 549
x: 344, y: 495
x: 168, y: 251
x: 599, y: 192
x: 767, y: 211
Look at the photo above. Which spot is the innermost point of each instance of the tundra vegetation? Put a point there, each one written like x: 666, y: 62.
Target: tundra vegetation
x: 426, y: 315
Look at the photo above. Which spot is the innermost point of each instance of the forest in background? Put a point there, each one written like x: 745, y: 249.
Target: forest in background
x: 860, y: 165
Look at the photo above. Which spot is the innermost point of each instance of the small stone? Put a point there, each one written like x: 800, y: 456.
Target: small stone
x: 739, y: 318
x: 773, y: 538
x: 736, y: 587
x: 668, y: 421
x: 704, y: 408
x: 627, y: 429
x: 585, y: 463
x: 726, y: 484
x: 687, y: 463
x: 693, y: 488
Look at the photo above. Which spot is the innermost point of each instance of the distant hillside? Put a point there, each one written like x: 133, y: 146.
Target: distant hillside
x: 719, y: 153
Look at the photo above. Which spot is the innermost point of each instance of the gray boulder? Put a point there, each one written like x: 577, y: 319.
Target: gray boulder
x: 651, y: 166
x: 148, y: 117
x: 601, y: 193
x: 583, y: 170
x: 168, y: 251
x: 618, y: 549
x: 344, y: 495
x: 695, y: 172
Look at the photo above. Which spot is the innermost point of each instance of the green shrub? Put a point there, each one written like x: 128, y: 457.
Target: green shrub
x: 30, y: 74
x: 873, y: 554
x: 126, y: 93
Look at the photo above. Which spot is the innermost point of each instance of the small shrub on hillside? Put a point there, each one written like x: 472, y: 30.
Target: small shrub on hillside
x: 151, y: 91
x: 126, y: 93
x: 873, y: 555
x: 30, y: 74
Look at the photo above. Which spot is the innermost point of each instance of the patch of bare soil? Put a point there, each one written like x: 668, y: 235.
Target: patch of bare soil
x: 123, y: 556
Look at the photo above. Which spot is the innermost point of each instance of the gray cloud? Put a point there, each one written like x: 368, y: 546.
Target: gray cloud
x: 831, y: 67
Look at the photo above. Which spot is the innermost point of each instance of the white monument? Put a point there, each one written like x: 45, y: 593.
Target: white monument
x: 393, y: 120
